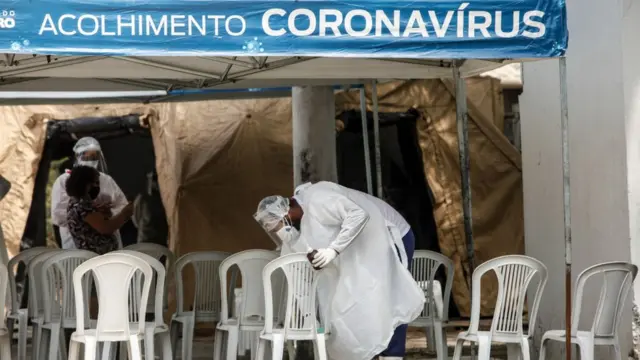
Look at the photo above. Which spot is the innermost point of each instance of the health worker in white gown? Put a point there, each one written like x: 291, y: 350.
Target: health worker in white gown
x: 373, y: 292
x: 111, y: 198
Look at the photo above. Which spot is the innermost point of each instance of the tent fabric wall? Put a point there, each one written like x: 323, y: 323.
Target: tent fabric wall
x: 217, y: 159
x: 496, y: 172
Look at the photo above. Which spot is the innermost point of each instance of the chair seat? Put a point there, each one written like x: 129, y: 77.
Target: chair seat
x: 247, y: 323
x: 191, y: 316
x: 560, y: 335
x: 114, y: 336
x: 497, y: 337
x: 291, y: 334
x: 426, y: 322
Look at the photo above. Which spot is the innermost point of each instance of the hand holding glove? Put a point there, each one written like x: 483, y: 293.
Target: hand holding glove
x: 323, y: 257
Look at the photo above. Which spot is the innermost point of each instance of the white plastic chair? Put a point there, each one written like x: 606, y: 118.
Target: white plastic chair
x: 5, y: 339
x: 514, y: 273
x: 17, y: 314
x: 250, y: 317
x: 156, y: 328
x: 300, y: 321
x: 436, y: 308
x: 157, y: 252
x: 36, y: 298
x: 205, y: 307
x: 55, y: 280
x: 114, y: 275
x: 618, y: 278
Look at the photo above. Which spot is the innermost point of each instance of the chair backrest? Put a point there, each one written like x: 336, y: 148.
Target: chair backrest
x: 24, y: 257
x: 423, y: 269
x: 617, y: 280
x: 36, y: 292
x: 206, y: 298
x: 114, y: 275
x: 302, y: 282
x: 157, y: 292
x: 156, y: 251
x: 57, y: 285
x: 514, y: 273
x: 251, y: 263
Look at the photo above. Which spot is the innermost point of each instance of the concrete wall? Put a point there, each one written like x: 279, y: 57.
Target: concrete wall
x: 604, y: 112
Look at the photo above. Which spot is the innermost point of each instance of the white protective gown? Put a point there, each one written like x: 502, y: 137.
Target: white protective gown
x: 373, y: 291
x: 109, y: 192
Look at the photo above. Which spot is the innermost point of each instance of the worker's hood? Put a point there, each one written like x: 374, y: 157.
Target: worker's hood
x: 5, y: 185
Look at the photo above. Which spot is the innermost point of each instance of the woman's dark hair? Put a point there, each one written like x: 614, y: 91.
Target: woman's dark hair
x: 80, y: 178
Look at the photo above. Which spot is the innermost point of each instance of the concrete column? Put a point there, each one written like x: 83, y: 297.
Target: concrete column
x: 314, y: 134
x: 604, y: 126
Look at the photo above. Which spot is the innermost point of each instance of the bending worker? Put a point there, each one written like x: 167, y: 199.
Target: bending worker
x: 373, y: 293
x: 110, y: 199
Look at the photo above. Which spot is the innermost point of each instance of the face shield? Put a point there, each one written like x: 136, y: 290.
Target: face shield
x: 273, y: 216
x: 89, y: 153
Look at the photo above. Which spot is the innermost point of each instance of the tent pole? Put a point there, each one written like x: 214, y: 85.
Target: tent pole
x: 376, y: 137
x: 365, y: 138
x: 462, y: 121
x: 564, y: 123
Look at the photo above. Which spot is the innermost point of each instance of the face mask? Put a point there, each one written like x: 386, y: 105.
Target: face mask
x: 288, y: 234
x: 94, y: 192
x: 93, y: 163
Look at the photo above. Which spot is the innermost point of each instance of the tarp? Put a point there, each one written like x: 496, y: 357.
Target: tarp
x: 478, y: 29
x: 217, y: 159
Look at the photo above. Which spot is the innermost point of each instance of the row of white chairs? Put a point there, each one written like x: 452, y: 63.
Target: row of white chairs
x: 521, y: 277
x: 257, y: 313
x: 52, y: 307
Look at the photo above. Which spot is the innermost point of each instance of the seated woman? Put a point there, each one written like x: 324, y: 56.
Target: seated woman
x: 92, y: 228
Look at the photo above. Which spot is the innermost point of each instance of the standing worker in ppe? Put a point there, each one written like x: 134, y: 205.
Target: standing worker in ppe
x: 397, y: 345
x: 373, y: 293
x: 111, y: 199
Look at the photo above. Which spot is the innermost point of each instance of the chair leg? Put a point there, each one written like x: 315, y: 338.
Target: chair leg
x: 149, y: 344
x: 37, y: 337
x: 440, y: 342
x: 232, y: 344
x: 5, y: 347
x: 277, y: 351
x: 217, y: 344
x: 187, y: 339
x: 165, y: 339
x: 586, y: 351
x: 526, y: 352
x: 54, y: 343
x: 262, y: 344
x: 174, y: 330
x: 23, y: 324
x: 134, y: 345
x: 291, y: 350
x: 514, y: 352
x: 90, y: 349
x: 457, y: 351
x: 74, y: 350
x: 484, y: 348
x: 321, y: 347
x: 616, y: 351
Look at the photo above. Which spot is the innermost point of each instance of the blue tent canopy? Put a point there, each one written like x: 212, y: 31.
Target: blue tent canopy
x: 441, y: 29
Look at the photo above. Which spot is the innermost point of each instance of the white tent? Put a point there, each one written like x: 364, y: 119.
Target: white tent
x: 206, y: 77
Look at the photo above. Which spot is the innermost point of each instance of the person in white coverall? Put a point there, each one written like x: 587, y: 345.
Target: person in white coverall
x: 111, y: 198
x: 373, y: 293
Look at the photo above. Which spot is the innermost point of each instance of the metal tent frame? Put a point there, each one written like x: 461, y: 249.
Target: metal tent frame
x: 26, y: 78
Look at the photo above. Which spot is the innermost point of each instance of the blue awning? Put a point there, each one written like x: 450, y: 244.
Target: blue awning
x: 441, y: 29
